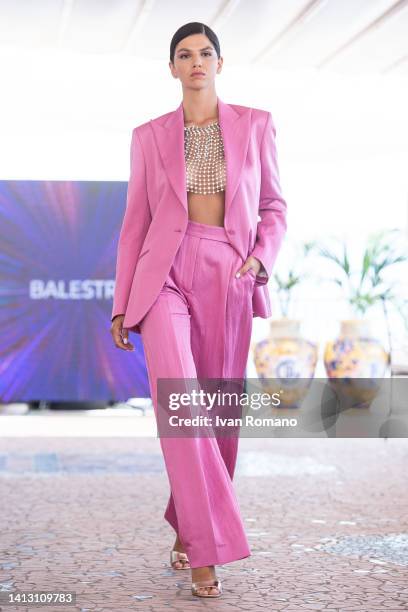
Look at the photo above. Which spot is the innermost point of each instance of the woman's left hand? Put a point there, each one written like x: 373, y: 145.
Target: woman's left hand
x: 251, y: 262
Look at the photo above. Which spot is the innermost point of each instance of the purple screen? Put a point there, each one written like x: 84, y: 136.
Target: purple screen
x: 58, y: 242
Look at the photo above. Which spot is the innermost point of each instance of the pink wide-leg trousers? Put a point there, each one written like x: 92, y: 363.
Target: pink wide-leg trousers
x: 200, y: 327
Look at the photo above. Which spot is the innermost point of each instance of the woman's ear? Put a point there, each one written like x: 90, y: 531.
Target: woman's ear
x: 173, y: 70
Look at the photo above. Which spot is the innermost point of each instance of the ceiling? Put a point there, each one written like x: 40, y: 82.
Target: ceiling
x: 342, y: 36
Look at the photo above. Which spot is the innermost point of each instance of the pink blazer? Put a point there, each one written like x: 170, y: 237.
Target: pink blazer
x: 156, y: 212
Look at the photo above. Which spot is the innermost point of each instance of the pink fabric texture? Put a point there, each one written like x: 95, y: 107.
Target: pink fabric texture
x: 199, y: 326
x: 156, y: 213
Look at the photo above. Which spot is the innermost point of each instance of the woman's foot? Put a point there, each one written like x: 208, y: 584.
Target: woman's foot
x: 180, y: 563
x: 206, y: 574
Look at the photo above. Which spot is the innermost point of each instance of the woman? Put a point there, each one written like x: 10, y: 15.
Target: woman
x: 203, y: 225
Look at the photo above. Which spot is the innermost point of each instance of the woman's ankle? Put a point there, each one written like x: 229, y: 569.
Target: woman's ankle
x: 178, y: 545
x: 205, y: 572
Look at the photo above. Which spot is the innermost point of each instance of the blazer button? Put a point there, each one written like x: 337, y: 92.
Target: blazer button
x: 231, y: 231
x: 178, y: 230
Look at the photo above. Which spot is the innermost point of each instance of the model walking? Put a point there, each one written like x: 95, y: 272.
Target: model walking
x: 203, y: 225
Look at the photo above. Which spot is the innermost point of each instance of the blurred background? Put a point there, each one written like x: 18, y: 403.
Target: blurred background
x: 78, y: 75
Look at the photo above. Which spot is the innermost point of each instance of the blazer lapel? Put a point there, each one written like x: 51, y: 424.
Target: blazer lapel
x: 170, y: 142
x: 235, y: 130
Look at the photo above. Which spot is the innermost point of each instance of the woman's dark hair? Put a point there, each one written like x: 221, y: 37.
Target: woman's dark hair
x: 194, y: 27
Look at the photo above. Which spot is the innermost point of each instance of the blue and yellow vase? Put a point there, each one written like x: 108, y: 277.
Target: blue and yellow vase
x: 357, y: 361
x: 285, y: 360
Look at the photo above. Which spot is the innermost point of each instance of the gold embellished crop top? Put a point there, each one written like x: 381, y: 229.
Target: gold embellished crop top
x: 204, y: 158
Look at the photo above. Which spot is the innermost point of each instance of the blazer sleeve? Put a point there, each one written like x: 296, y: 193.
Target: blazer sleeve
x: 135, y: 224
x: 272, y: 206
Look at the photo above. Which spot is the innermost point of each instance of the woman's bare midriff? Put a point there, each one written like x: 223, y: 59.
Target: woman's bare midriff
x: 206, y: 208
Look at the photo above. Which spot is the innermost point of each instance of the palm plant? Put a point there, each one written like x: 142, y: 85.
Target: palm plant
x: 284, y: 285
x: 366, y: 286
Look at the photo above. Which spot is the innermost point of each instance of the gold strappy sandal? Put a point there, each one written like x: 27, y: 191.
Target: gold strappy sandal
x: 175, y: 556
x: 197, y: 586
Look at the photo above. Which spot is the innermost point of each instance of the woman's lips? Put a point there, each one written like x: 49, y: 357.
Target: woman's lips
x: 197, y: 74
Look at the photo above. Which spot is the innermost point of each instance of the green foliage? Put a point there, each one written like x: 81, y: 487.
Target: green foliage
x: 295, y: 275
x: 367, y: 286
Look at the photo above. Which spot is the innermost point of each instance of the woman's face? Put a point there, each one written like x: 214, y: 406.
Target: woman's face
x: 195, y: 53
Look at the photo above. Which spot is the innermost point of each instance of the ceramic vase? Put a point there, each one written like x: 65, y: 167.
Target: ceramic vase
x: 355, y: 363
x: 285, y: 361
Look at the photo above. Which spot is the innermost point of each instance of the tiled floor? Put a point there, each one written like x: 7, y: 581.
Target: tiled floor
x: 326, y: 519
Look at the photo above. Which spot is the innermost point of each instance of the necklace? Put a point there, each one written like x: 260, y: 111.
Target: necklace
x: 200, y: 126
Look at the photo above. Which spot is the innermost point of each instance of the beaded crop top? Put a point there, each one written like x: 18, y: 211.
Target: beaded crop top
x: 204, y: 158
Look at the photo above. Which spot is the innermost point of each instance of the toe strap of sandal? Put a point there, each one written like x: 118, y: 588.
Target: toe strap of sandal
x: 207, y: 583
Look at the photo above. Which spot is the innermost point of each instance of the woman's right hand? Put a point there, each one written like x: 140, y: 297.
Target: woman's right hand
x: 120, y: 334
